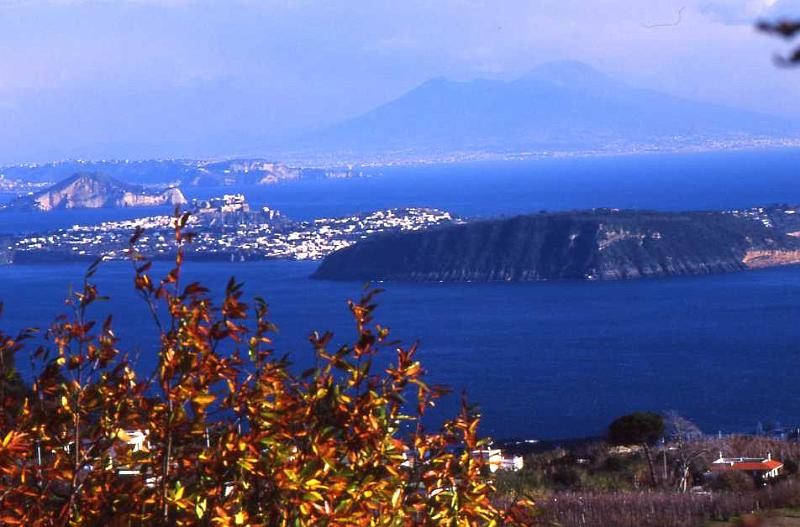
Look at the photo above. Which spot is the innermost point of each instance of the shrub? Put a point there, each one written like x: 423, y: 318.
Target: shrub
x: 233, y: 435
x: 568, y: 477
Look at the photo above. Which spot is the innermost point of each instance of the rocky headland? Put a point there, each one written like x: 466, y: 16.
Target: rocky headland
x: 599, y: 244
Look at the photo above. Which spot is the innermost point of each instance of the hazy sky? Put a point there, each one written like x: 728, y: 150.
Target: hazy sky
x: 139, y: 78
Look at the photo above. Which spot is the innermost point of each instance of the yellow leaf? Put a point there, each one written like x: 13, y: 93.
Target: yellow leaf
x: 204, y: 400
x: 396, y: 497
x: 239, y: 518
x: 200, y: 508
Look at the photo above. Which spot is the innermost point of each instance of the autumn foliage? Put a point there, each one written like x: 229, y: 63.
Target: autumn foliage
x: 233, y: 436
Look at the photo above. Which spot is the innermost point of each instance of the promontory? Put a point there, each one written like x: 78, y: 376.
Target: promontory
x: 600, y: 244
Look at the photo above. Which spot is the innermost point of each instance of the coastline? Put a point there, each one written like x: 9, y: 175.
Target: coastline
x: 399, y: 159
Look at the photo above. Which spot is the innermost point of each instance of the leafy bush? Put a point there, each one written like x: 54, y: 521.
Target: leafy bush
x: 568, y: 477
x: 232, y: 435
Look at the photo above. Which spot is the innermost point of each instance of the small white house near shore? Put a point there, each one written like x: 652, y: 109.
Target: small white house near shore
x: 765, y: 467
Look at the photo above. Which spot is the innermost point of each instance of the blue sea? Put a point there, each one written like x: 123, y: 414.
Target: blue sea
x: 542, y: 360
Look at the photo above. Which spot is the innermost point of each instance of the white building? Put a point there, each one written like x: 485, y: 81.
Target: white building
x: 496, y: 460
x: 765, y: 467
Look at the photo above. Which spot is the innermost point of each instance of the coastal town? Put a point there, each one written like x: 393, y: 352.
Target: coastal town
x: 224, y: 228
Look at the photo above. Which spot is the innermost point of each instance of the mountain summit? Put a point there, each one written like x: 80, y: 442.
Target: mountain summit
x: 566, y: 73
x: 564, y: 105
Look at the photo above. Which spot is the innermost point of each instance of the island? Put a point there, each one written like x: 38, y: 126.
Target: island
x: 427, y: 244
x: 600, y: 244
x: 92, y: 190
x: 225, y: 228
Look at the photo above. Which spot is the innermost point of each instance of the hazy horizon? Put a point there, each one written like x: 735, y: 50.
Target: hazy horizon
x: 147, y: 78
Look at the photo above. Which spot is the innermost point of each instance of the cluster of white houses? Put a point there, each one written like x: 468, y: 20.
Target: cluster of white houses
x: 227, y: 226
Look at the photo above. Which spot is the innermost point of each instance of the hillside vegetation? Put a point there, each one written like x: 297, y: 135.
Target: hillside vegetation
x: 590, y: 245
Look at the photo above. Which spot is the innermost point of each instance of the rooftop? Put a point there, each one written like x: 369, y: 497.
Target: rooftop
x: 724, y: 464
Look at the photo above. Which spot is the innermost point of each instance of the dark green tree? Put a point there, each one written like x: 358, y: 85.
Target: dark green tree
x: 639, y: 428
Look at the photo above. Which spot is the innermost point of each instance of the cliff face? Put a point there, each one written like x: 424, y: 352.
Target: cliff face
x: 170, y: 196
x: 92, y: 191
x: 257, y: 172
x: 596, y: 245
x: 244, y: 172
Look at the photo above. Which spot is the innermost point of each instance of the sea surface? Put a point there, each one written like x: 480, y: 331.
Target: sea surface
x: 542, y: 360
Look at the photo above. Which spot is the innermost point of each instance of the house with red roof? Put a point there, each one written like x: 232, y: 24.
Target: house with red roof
x: 765, y: 467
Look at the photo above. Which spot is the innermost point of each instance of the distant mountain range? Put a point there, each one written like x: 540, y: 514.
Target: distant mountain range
x: 178, y: 172
x: 585, y: 245
x: 88, y: 190
x: 560, y: 107
x: 557, y: 106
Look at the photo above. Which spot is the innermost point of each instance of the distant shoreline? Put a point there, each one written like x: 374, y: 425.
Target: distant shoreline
x: 477, y: 156
x: 338, y: 161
